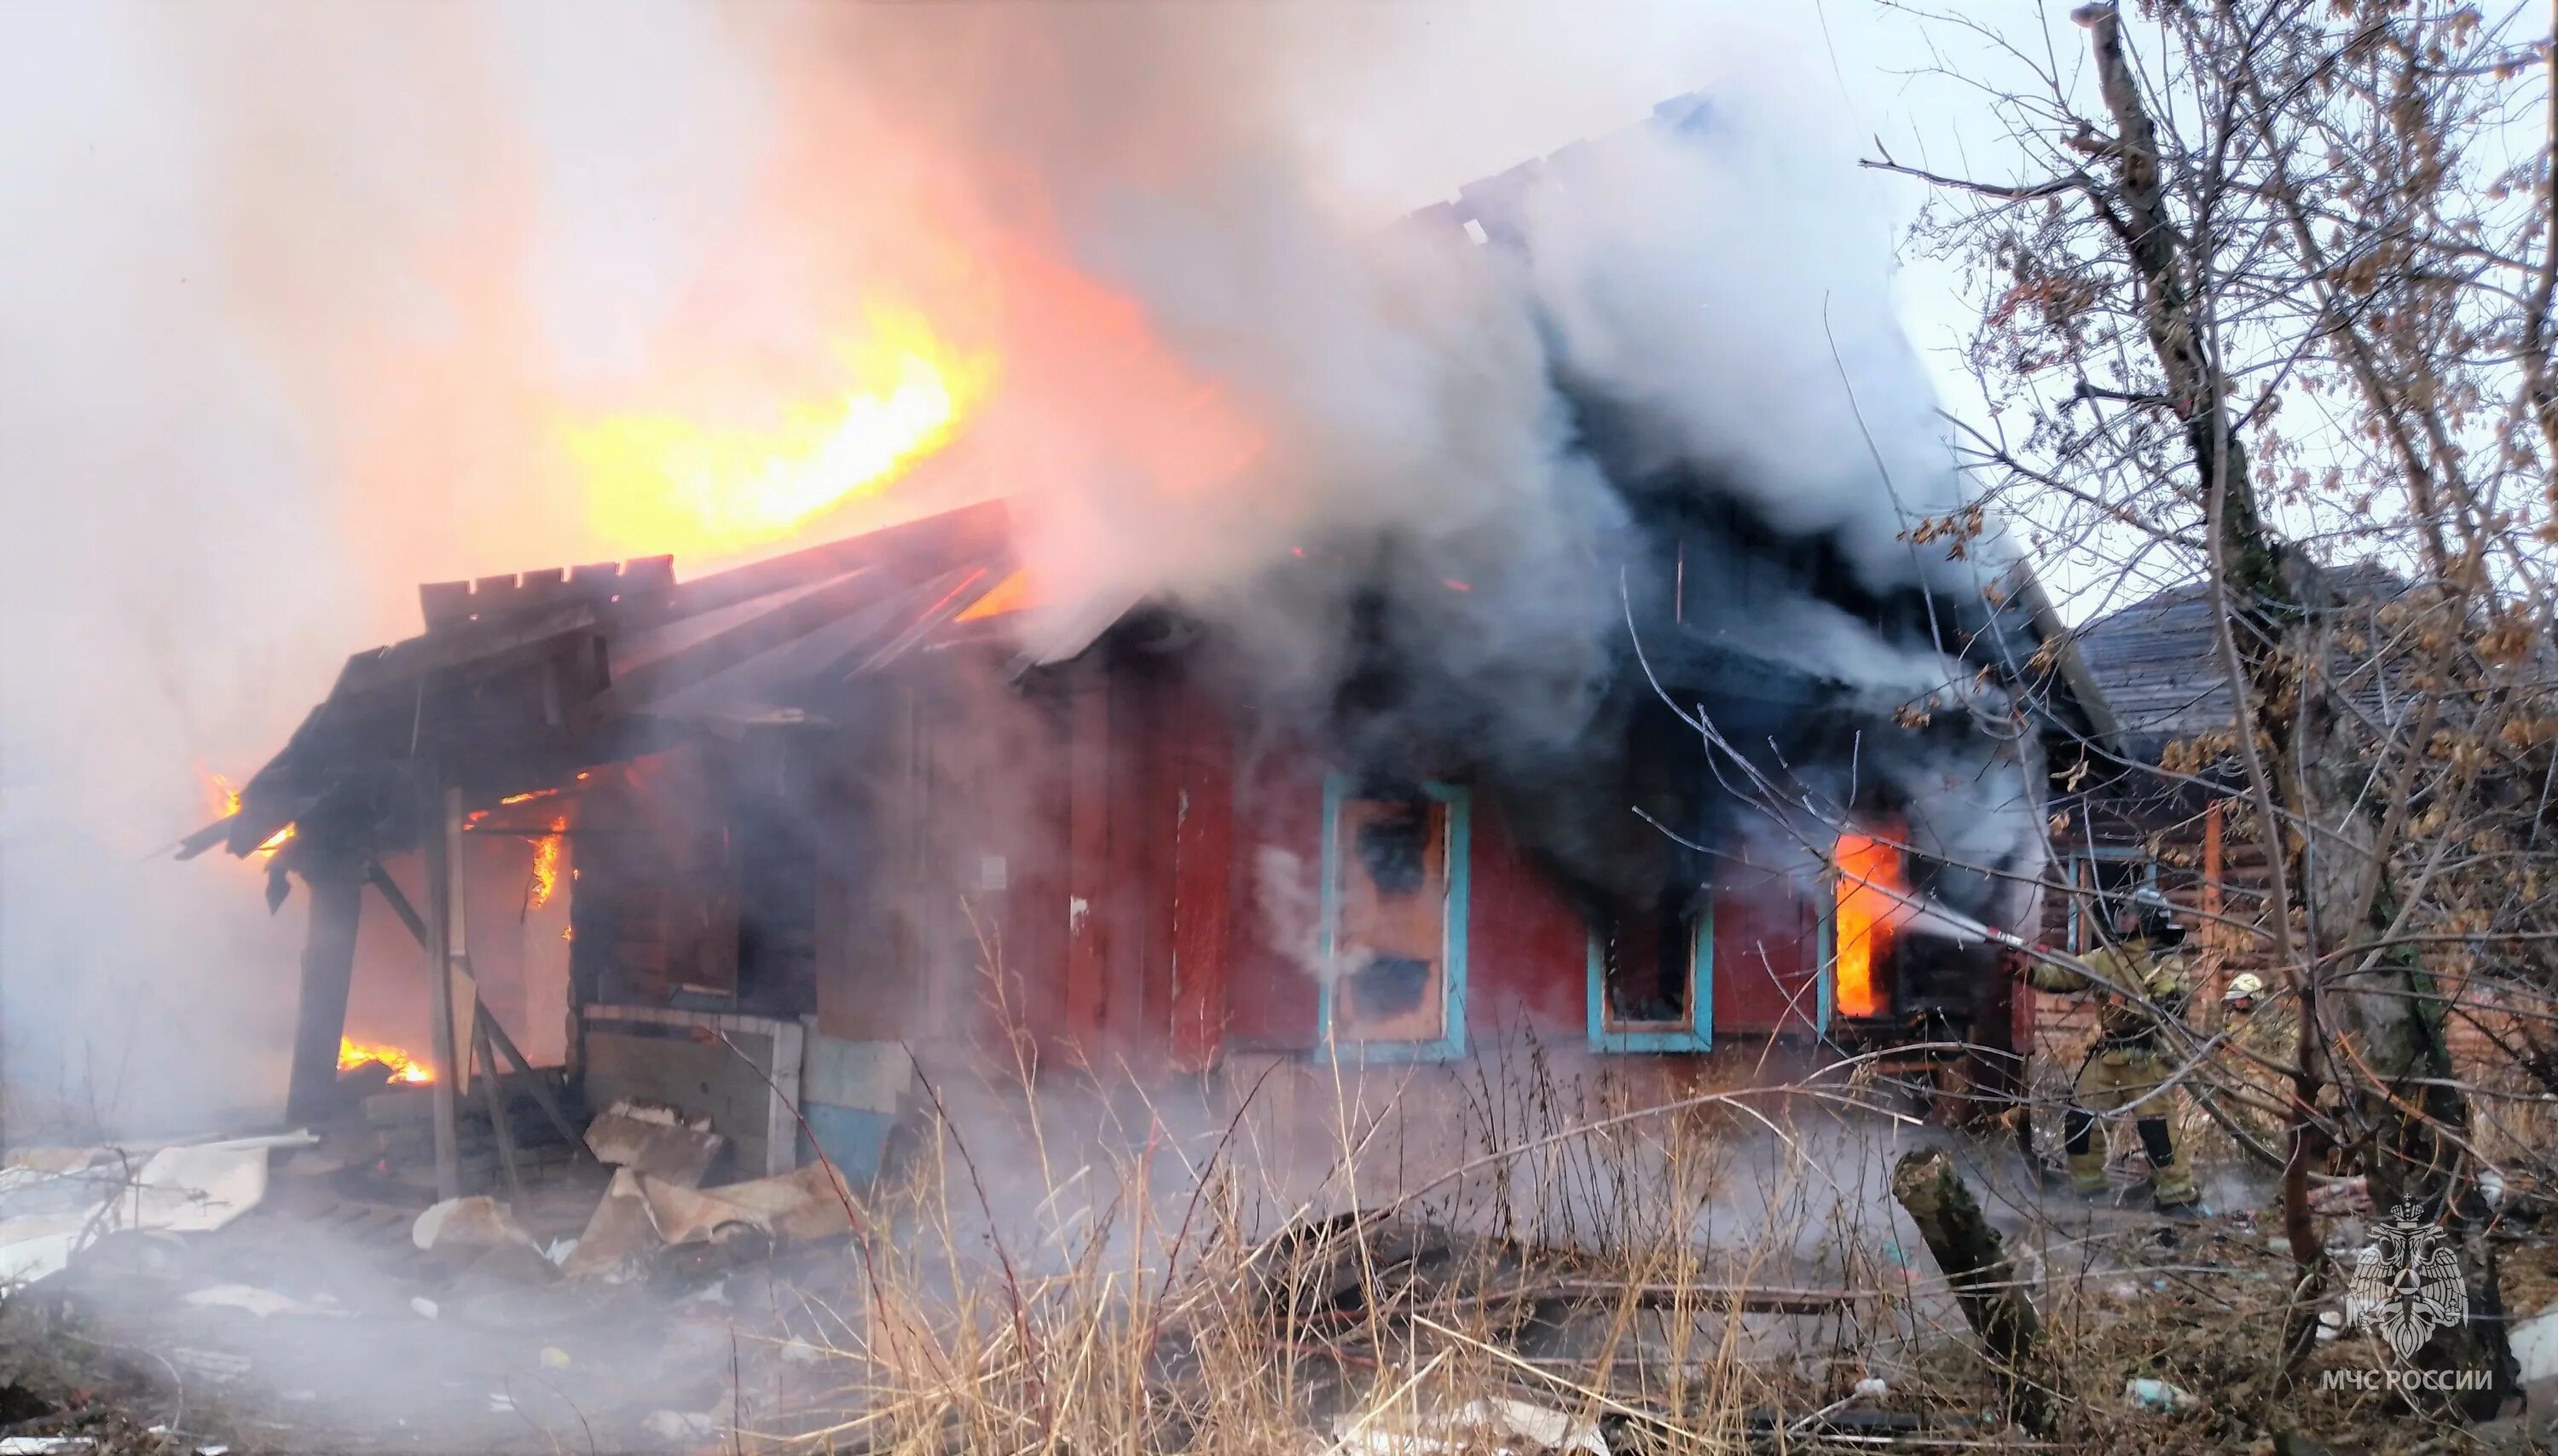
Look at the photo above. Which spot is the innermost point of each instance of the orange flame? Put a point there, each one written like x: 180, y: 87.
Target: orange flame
x: 223, y: 798
x: 221, y: 794
x: 1869, y: 871
x: 1012, y: 594
x: 547, y: 863
x: 353, y: 1054
x: 667, y: 481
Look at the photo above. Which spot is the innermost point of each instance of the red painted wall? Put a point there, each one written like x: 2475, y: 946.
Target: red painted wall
x: 1274, y: 881
x: 1527, y: 951
x: 1163, y: 891
x: 1766, y: 951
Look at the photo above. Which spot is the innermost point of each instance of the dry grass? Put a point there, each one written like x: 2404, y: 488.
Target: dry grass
x: 1146, y: 1283
x: 1142, y: 1288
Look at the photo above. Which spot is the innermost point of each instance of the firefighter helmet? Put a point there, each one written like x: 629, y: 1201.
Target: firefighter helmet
x: 2148, y: 913
x: 2243, y: 991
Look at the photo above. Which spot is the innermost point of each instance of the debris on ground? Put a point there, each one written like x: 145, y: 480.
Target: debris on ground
x: 472, y: 1222
x: 1477, y: 1425
x: 682, y: 1425
x: 257, y: 1301
x: 607, y: 1307
x: 654, y: 1139
x: 642, y: 1218
x: 2535, y: 1347
x: 54, y: 1202
x: 2342, y: 1196
x: 2159, y: 1397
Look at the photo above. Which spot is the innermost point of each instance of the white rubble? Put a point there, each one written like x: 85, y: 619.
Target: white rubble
x: 56, y: 1202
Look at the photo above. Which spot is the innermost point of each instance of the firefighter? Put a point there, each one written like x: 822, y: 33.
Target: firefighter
x: 2130, y: 1058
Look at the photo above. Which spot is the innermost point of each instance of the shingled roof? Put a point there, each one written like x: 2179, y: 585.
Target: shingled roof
x: 2158, y: 661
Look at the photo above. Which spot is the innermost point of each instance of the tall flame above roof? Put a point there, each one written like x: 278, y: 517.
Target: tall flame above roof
x: 694, y: 484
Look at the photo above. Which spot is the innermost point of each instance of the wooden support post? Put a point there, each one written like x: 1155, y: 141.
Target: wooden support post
x: 494, y: 1099
x: 1983, y: 1278
x: 328, y: 968
x: 533, y: 1081
x: 506, y: 1046
x: 2214, y: 861
x: 441, y: 826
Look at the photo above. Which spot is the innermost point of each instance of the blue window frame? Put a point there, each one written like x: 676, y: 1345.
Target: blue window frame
x: 1825, y: 969
x: 2102, y: 870
x: 1693, y: 1032
x: 1824, y: 978
x: 1446, y: 820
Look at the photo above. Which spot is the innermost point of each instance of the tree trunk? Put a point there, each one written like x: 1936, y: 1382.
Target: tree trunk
x: 2386, y: 1042
x: 2388, y: 1048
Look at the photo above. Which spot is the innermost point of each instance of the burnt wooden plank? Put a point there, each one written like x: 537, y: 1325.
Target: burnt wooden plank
x: 218, y: 832
x: 381, y: 879
x: 450, y: 606
x: 923, y: 547
x: 327, y: 972
x: 1202, y: 880
x: 443, y: 811
x: 783, y: 625
x: 402, y: 664
x: 944, y: 599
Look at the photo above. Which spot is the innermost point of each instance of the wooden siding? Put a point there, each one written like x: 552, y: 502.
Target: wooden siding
x: 1097, y: 868
x: 1767, y: 957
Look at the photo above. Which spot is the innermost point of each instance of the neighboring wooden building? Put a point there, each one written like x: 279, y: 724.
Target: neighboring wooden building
x: 2172, y: 811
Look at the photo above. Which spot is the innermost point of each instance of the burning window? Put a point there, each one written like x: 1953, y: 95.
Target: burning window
x: 1872, y: 898
x: 1397, y: 860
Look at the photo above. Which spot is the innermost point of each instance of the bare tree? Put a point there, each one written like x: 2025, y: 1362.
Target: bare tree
x: 2265, y: 296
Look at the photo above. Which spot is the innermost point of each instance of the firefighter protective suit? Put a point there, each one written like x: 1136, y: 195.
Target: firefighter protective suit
x: 2127, y: 1064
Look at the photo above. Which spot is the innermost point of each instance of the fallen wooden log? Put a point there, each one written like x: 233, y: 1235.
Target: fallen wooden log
x: 1745, y: 1298
x: 1983, y: 1279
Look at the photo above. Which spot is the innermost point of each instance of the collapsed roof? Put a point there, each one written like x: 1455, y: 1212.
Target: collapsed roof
x: 521, y: 682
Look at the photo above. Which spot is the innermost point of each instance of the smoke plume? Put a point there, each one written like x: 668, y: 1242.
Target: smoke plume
x: 305, y: 298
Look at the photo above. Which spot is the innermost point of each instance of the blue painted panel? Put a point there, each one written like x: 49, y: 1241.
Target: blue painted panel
x: 852, y: 1139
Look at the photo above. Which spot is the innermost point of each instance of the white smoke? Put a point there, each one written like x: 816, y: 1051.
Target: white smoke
x: 296, y: 292
x: 1745, y: 308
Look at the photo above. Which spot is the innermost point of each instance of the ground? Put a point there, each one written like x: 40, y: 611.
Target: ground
x: 375, y: 1345
x: 371, y: 1343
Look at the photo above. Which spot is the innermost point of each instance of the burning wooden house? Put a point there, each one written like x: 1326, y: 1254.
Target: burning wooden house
x: 831, y: 806
x: 760, y: 842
